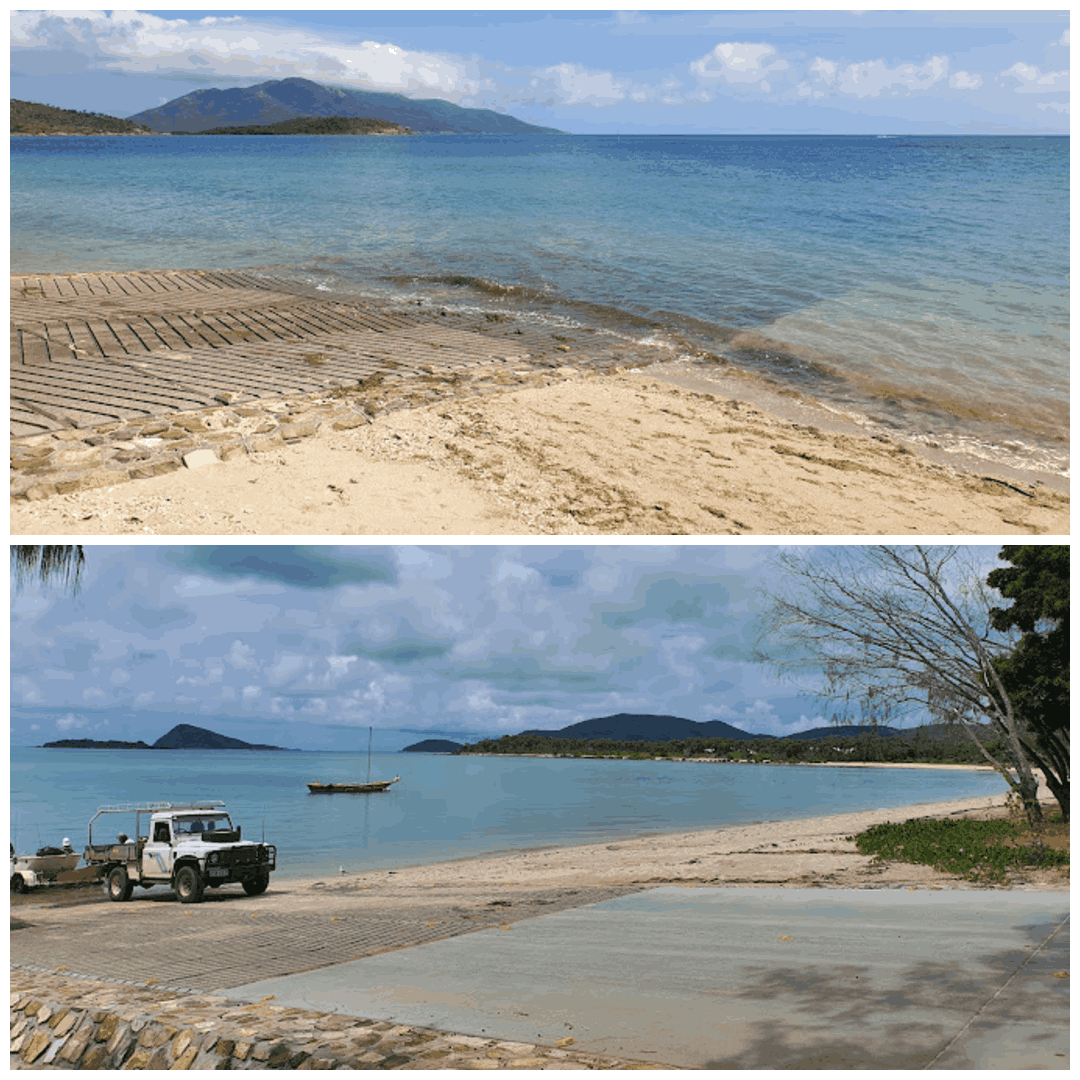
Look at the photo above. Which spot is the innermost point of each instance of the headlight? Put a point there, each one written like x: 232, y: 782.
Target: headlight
x: 214, y: 857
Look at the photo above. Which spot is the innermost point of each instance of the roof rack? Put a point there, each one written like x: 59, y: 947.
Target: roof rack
x: 119, y: 808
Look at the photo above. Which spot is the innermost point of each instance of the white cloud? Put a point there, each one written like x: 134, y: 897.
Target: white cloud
x: 738, y: 63
x: 250, y: 693
x: 873, y: 78
x: 1032, y: 80
x: 29, y: 690
x: 572, y: 84
x: 119, y: 677
x: 67, y: 723
x: 144, y: 698
x: 92, y: 693
x: 963, y: 80
x: 1057, y: 106
x: 242, y: 656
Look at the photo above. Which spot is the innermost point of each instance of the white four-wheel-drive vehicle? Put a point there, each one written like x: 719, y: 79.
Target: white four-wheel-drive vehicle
x: 189, y: 848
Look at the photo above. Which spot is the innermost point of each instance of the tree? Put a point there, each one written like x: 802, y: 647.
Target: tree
x: 48, y: 564
x: 889, y: 631
x: 1036, y: 672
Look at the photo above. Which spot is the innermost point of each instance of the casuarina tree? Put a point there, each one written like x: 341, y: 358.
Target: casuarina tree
x: 1036, y: 673
x: 894, y: 631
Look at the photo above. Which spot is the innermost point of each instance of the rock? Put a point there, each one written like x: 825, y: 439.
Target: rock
x: 196, y: 459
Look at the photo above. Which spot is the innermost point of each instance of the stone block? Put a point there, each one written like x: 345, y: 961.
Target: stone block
x: 93, y: 1057
x: 121, y: 1042
x: 298, y: 431
x: 186, y: 1058
x: 107, y: 1028
x: 154, y: 427
x: 241, y: 1050
x: 265, y: 427
x: 139, y: 1060
x: 35, y: 1046
x: 190, y: 423
x: 353, y: 420
x: 160, y: 1059
x: 66, y: 1021
x: 76, y: 1044
x: 274, y: 442
x: 224, y: 1047
x: 197, y: 459
x: 181, y: 1043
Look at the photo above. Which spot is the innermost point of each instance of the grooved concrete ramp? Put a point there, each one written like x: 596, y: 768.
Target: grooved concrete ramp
x: 742, y: 978
x: 90, y: 350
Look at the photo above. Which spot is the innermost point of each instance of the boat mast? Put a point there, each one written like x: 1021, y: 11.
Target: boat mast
x: 369, y: 755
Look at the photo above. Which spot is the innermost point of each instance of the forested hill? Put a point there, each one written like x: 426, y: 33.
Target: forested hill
x: 32, y: 118
x: 647, y: 728
x: 289, y: 99
x: 315, y: 125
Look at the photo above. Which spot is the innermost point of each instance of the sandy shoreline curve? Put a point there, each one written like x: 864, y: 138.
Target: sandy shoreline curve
x: 794, y: 853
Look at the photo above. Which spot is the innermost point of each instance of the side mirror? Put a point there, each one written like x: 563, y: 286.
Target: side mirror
x: 237, y: 832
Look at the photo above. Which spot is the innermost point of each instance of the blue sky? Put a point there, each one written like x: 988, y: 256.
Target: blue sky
x: 972, y: 72
x: 306, y: 647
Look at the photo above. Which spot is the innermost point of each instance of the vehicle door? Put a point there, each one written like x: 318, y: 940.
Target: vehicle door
x: 158, y: 854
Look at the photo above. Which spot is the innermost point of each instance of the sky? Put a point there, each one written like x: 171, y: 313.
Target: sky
x: 305, y: 647
x: 651, y: 72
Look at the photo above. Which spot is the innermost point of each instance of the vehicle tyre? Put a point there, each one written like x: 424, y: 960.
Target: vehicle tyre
x: 18, y: 885
x: 189, y: 885
x: 256, y: 886
x: 118, y: 885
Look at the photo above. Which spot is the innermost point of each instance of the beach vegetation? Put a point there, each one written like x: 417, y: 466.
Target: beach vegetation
x: 1036, y: 673
x: 48, y: 564
x: 885, y: 632
x: 976, y: 850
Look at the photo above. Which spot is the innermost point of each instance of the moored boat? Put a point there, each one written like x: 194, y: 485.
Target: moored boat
x: 317, y: 788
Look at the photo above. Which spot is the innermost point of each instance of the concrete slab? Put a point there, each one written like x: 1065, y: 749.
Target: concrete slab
x: 741, y: 978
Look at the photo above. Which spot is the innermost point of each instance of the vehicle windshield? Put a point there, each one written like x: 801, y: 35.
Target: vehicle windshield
x: 202, y: 823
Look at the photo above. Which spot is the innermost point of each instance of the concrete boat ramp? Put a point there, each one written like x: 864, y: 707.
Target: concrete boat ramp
x: 740, y: 978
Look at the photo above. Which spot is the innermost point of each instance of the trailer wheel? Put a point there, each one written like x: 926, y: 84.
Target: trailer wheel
x: 18, y: 885
x: 118, y: 885
x: 189, y: 885
x: 257, y: 886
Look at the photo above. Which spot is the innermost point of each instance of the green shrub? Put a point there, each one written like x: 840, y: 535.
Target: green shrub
x: 978, y: 850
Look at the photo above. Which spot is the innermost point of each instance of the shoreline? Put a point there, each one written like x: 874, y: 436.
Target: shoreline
x: 798, y: 851
x: 226, y: 389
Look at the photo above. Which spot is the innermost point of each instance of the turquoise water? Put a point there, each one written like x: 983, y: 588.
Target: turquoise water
x: 920, y: 283
x: 446, y: 807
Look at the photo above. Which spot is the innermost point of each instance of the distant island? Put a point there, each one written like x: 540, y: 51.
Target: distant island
x: 314, y: 125
x: 181, y: 737
x: 32, y: 118
x: 280, y: 100
x: 433, y: 746
x: 643, y: 736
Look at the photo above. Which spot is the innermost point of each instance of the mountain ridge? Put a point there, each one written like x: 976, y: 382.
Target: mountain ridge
x: 294, y: 98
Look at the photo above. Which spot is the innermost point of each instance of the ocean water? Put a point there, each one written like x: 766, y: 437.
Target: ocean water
x: 918, y: 285
x: 445, y: 807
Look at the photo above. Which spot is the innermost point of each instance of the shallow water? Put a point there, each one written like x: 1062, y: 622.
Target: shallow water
x: 921, y: 283
x: 445, y: 807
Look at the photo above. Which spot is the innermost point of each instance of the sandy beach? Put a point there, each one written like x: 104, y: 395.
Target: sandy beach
x: 213, y: 402
x: 617, y: 453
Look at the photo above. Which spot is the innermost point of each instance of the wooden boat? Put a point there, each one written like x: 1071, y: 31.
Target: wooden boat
x: 317, y: 788
x: 376, y: 785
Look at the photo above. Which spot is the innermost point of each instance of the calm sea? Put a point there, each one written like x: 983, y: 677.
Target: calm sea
x: 920, y: 285
x: 446, y: 807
